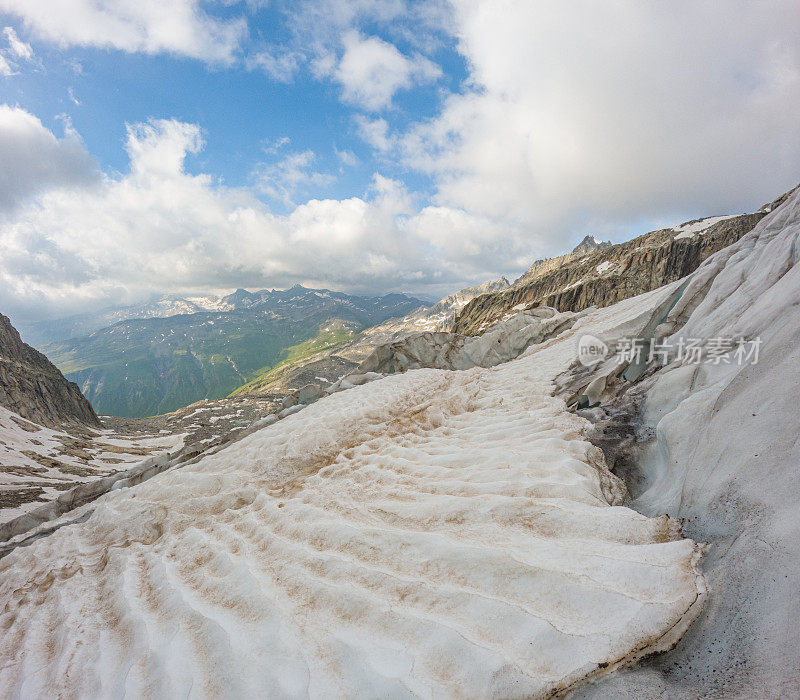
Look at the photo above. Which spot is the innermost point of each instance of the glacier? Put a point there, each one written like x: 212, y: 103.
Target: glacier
x: 725, y: 458
x: 455, y: 533
x: 432, y: 533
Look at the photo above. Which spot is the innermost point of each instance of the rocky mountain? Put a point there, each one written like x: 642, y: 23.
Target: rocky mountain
x: 32, y: 387
x: 436, y: 318
x: 588, y: 245
x: 141, y: 367
x: 611, y: 273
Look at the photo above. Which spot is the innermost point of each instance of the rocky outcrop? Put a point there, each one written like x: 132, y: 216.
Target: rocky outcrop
x: 574, y: 282
x: 31, y: 386
x: 503, y: 342
x: 438, y: 318
x: 587, y: 246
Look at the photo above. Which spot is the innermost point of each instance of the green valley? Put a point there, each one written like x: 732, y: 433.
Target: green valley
x: 142, y: 367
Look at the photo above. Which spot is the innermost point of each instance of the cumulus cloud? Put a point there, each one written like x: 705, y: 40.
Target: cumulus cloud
x: 33, y: 160
x: 159, y: 228
x: 180, y: 26
x: 607, y: 113
x: 371, y: 71
x: 375, y: 132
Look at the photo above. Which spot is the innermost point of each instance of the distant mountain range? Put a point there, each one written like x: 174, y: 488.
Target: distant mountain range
x: 162, y: 361
x: 332, y: 354
x: 441, y: 316
x: 41, y: 333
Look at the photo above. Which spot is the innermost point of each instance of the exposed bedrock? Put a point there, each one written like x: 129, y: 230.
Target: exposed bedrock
x: 604, y: 276
x: 31, y: 385
x: 505, y: 341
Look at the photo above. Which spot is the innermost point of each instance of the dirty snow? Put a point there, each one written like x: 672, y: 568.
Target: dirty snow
x: 435, y: 533
x: 37, y: 464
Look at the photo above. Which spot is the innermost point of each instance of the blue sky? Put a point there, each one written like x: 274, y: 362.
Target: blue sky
x: 370, y: 145
x: 243, y: 112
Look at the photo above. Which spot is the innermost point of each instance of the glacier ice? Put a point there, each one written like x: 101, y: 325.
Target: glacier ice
x: 449, y: 531
x: 433, y: 533
x: 726, y: 458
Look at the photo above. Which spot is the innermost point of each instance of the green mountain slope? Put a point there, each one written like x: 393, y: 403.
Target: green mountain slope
x: 143, y: 367
x: 334, y: 335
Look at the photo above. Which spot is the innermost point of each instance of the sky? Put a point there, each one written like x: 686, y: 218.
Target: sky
x: 371, y: 146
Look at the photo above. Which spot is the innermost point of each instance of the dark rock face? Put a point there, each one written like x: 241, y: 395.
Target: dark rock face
x: 607, y: 275
x: 31, y: 386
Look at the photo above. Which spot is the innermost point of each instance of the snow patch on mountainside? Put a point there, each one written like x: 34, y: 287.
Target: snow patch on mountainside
x: 693, y: 228
x: 37, y: 464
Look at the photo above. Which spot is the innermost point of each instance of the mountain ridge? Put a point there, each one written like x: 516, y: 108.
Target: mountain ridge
x: 609, y: 274
x: 41, y: 333
x: 32, y: 387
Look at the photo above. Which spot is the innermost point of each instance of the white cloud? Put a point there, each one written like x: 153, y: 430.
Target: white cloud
x: 33, y: 160
x: 281, y: 180
x: 371, y: 71
x: 599, y: 115
x: 17, y: 50
x: 157, y: 228
x: 180, y: 26
x: 471, y: 244
x: 347, y: 158
x: 18, y: 47
x: 158, y: 149
x: 375, y: 132
x: 278, y: 64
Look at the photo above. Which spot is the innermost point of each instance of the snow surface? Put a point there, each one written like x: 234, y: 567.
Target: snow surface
x: 40, y: 458
x: 435, y: 533
x: 576, y: 283
x: 700, y: 226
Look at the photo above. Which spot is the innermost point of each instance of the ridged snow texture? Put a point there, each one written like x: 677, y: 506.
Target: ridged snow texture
x: 431, y: 534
